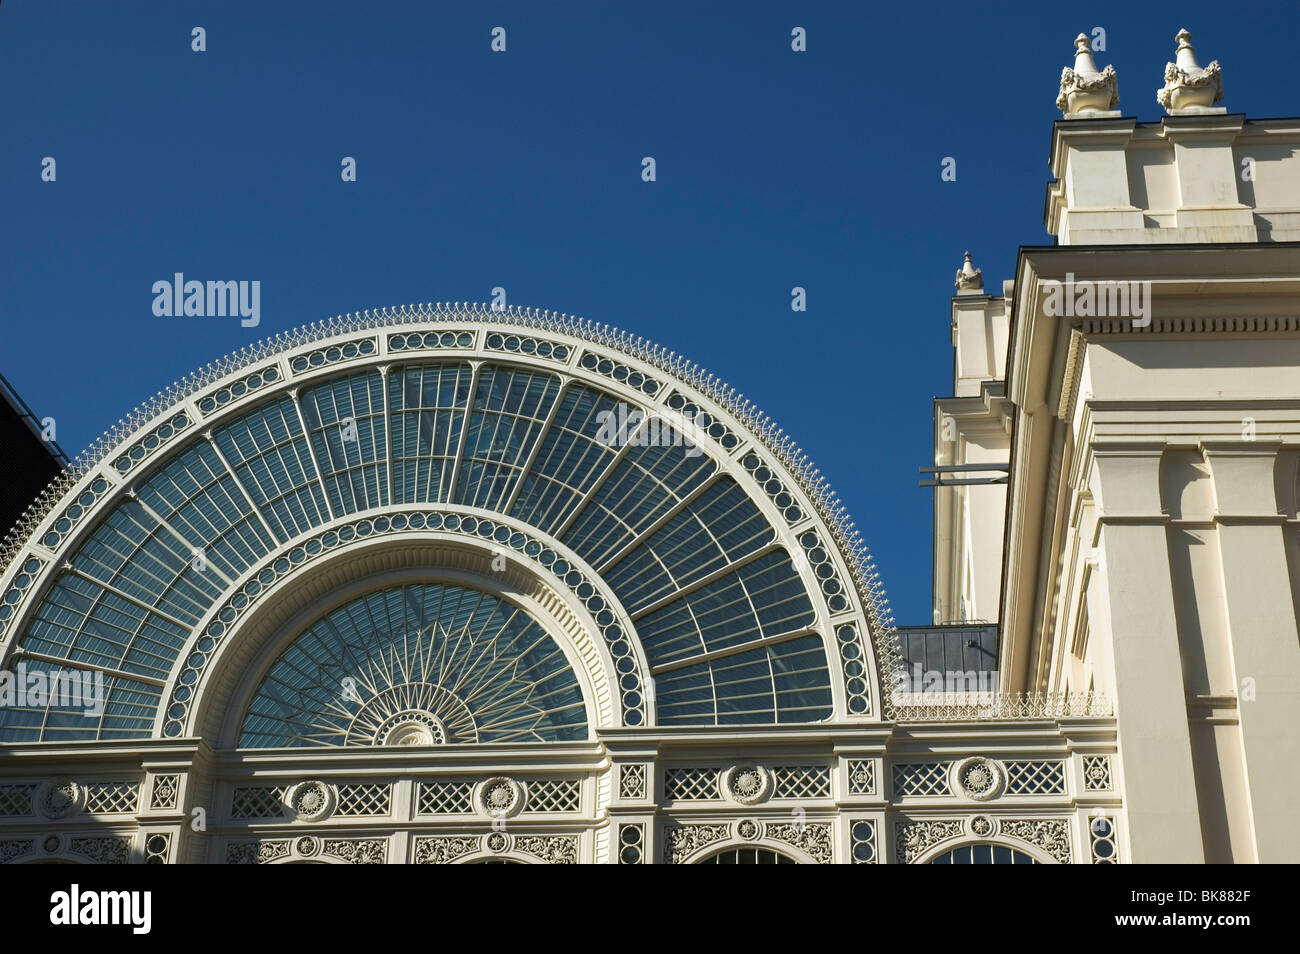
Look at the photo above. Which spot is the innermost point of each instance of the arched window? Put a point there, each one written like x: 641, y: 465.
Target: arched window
x: 748, y: 856
x: 983, y: 855
x: 139, y: 565
x: 428, y: 664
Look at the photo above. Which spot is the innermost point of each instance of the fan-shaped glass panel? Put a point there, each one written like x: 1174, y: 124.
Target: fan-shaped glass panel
x: 418, y: 665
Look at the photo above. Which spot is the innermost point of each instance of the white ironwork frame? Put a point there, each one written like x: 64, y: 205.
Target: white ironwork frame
x: 285, y: 353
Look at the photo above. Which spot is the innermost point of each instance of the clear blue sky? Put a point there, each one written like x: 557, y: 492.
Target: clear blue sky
x: 522, y: 169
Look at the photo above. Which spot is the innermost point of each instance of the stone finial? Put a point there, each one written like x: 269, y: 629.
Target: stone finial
x: 1086, y: 92
x: 970, y: 280
x: 1189, y: 89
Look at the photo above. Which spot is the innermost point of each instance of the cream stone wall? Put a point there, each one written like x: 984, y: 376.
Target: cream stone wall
x: 1205, y: 178
x: 1150, y: 528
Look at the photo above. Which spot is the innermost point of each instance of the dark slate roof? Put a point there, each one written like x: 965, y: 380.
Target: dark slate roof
x: 27, y: 462
x: 950, y: 648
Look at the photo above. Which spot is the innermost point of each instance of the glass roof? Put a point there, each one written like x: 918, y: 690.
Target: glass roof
x: 701, y: 571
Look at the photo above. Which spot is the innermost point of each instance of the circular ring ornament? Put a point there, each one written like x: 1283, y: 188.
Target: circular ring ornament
x: 412, y: 727
x: 747, y: 783
x: 60, y: 797
x: 52, y: 843
x: 310, y: 801
x: 500, y: 797
x: 496, y: 842
x: 982, y: 826
x: 979, y: 778
x: 308, y: 846
x: 749, y: 829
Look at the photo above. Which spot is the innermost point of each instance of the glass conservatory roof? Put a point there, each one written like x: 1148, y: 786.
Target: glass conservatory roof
x: 726, y: 623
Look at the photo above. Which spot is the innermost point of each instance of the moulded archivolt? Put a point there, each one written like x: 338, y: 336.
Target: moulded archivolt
x: 807, y: 841
x: 535, y: 567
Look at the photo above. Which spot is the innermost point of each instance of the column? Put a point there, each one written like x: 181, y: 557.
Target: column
x: 1263, y: 636
x: 1150, y: 701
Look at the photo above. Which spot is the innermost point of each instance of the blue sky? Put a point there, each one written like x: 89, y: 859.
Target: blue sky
x: 522, y: 170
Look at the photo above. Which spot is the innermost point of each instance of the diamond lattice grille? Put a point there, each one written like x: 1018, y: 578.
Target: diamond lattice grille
x: 111, y: 798
x: 445, y: 798
x: 1035, y: 778
x: 259, y: 802
x: 554, y: 795
x: 921, y: 778
x: 364, y: 800
x: 802, y: 781
x: 16, y: 799
x: 691, y: 785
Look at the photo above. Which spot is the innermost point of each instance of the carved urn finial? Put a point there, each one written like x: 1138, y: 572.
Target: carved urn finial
x: 1086, y: 92
x: 970, y: 280
x: 1189, y: 88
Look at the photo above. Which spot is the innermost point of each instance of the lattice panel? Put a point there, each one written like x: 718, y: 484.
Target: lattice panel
x: 862, y: 777
x: 691, y: 785
x: 260, y: 802
x: 1096, y: 773
x: 16, y: 799
x: 364, y: 800
x: 631, y: 781
x: 445, y: 798
x: 802, y: 781
x: 554, y: 795
x: 921, y: 778
x: 165, y: 790
x: 112, y: 798
x: 1035, y: 778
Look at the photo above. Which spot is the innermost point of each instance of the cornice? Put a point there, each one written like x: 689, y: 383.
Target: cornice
x: 1067, y: 132
x: 1190, y: 326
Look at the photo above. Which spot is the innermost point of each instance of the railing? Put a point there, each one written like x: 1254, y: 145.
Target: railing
x: 968, y: 706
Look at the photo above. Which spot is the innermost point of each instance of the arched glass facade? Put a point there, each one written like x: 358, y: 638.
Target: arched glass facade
x: 709, y: 583
x: 438, y: 588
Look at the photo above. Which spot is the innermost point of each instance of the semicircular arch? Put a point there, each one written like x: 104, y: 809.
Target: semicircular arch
x: 311, y: 429
x: 242, y: 636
